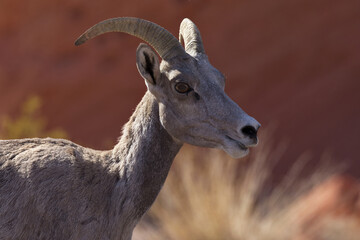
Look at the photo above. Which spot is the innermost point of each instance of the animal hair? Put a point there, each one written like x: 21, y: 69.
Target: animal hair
x: 56, y: 189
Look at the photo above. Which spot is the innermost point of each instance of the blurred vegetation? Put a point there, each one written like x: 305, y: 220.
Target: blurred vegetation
x: 209, y: 196
x: 29, y: 124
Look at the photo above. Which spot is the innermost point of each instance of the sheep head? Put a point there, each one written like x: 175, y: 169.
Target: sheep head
x: 193, y: 106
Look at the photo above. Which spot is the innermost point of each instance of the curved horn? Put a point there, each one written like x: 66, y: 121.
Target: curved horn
x: 159, y: 38
x: 190, y: 34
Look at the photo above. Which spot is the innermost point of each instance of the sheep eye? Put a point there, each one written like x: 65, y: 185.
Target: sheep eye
x: 182, y: 87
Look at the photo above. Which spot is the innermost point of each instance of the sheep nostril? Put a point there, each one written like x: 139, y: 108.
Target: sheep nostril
x: 249, y: 131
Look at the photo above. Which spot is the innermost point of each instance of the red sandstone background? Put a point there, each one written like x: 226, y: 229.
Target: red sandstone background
x: 290, y: 64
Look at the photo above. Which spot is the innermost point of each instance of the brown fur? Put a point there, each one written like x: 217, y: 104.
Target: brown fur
x: 55, y: 189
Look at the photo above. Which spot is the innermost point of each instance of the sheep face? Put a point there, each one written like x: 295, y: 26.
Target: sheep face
x: 193, y: 106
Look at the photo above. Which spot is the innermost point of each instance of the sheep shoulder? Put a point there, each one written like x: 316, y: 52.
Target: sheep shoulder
x: 52, y: 182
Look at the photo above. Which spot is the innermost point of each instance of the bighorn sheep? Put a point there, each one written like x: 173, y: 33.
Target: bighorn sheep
x: 56, y: 189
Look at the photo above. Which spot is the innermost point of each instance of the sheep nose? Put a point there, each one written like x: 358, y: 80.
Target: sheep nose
x: 250, y: 131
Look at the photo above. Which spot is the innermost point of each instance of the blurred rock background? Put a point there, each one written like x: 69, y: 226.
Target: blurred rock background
x: 293, y: 65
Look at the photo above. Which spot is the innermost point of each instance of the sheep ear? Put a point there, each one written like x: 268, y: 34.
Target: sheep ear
x: 147, y: 63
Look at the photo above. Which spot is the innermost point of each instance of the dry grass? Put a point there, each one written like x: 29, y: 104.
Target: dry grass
x: 209, y: 196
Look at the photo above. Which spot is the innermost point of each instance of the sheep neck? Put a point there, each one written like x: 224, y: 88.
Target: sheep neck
x: 144, y: 154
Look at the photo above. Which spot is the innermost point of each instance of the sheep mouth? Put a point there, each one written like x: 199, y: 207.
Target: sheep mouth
x: 238, y: 143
